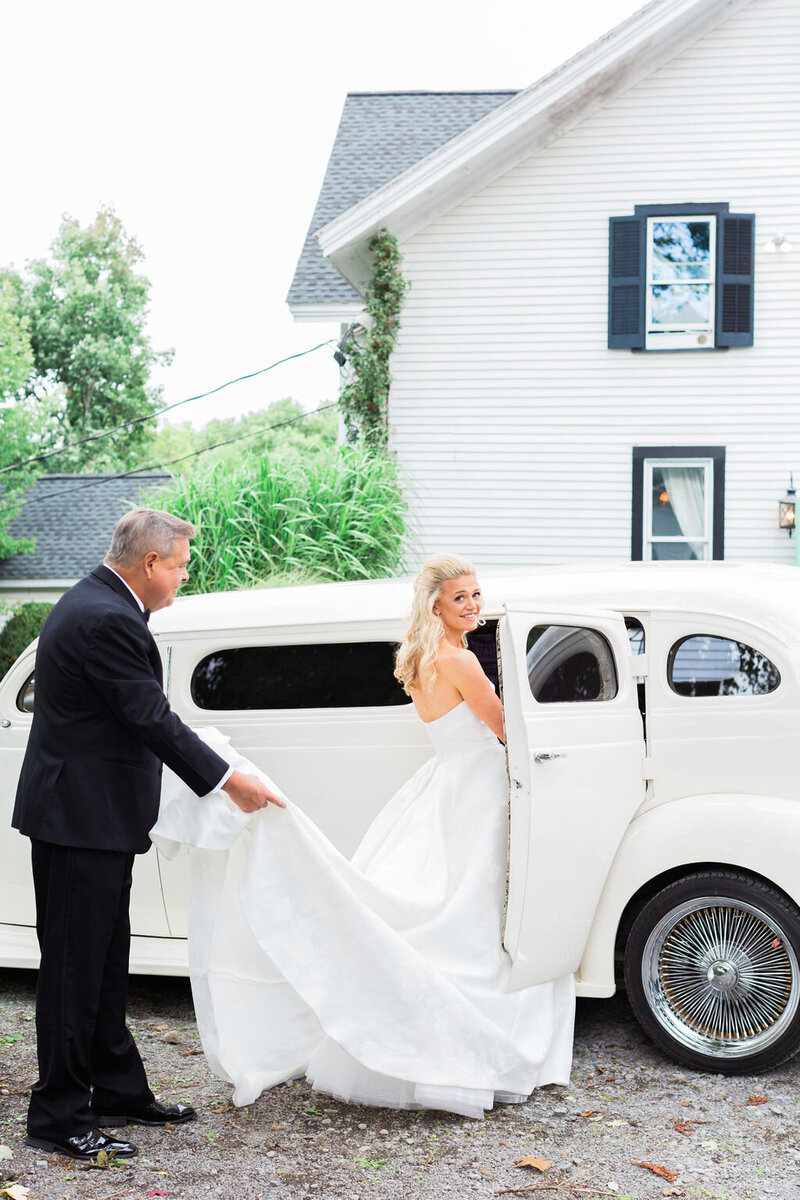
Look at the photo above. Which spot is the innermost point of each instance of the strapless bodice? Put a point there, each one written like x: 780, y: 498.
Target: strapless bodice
x: 460, y: 732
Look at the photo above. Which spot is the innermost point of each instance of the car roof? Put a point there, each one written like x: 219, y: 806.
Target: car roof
x: 765, y: 594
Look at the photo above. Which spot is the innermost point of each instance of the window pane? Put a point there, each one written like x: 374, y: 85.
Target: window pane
x: 25, y: 696
x: 681, y: 250
x: 679, y: 304
x: 714, y: 666
x: 677, y: 551
x: 330, y: 675
x: 567, y: 664
x: 483, y: 644
x: 679, y: 502
x: 635, y: 634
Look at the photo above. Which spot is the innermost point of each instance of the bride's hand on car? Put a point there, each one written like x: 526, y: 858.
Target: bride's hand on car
x: 248, y: 792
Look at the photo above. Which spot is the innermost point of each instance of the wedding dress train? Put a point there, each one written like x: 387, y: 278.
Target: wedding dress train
x: 382, y: 979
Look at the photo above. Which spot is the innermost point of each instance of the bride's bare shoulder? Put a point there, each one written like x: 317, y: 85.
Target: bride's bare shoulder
x: 455, y: 660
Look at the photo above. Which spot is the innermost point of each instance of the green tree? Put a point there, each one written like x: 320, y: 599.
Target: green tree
x: 281, y: 428
x: 86, y: 308
x: 24, y: 420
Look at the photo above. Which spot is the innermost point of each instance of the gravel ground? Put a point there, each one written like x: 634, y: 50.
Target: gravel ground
x: 621, y: 1109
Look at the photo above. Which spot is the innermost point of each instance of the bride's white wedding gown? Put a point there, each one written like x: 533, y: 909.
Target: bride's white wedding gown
x: 383, y: 980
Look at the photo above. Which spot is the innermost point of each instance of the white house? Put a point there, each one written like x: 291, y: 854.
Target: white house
x: 600, y: 346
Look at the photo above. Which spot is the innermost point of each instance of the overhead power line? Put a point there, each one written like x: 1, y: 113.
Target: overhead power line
x: 79, y: 487
x: 96, y: 437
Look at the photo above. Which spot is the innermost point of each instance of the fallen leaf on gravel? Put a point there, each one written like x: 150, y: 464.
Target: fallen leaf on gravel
x: 687, y: 1128
x: 616, y: 1124
x: 157, y: 1192
x: 664, y: 1172
x: 757, y: 1100
x: 187, y: 1053
x: 591, y: 1112
x: 160, y: 1028
x: 539, y: 1164
x: 673, y: 1192
x: 16, y: 1192
x: 277, y: 1125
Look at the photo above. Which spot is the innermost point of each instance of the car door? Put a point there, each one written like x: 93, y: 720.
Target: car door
x: 575, y: 756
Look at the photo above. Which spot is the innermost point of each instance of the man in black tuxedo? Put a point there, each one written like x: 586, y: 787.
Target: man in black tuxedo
x: 88, y: 795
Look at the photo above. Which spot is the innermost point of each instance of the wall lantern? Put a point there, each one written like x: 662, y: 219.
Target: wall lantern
x: 786, y: 509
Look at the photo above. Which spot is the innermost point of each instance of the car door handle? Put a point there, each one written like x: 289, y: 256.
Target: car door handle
x: 547, y: 756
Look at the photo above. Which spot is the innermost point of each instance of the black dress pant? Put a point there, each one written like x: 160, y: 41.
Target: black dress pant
x: 87, y: 1056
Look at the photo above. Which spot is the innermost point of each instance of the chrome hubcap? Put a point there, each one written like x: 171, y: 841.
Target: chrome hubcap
x: 720, y: 977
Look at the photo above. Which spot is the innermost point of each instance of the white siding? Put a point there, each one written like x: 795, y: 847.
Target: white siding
x: 512, y: 421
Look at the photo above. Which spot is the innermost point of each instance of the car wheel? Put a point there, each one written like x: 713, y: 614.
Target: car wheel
x: 712, y: 972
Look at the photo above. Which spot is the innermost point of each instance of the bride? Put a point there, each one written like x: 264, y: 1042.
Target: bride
x: 382, y: 979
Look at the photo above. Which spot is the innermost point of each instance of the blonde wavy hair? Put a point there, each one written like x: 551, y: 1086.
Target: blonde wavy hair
x: 420, y: 645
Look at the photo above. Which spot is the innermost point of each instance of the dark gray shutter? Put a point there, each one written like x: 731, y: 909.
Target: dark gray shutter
x: 626, y: 266
x: 735, y: 246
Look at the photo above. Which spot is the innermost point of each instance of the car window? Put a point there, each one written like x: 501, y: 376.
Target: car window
x: 569, y: 664
x: 703, y: 665
x: 483, y: 644
x: 324, y: 675
x: 25, y: 695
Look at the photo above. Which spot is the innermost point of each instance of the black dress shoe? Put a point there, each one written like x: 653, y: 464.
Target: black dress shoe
x: 84, y: 1145
x: 151, y: 1114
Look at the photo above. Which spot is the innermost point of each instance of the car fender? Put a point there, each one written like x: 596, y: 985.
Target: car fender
x: 759, y: 834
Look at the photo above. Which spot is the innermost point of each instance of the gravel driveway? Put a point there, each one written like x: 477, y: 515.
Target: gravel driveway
x: 712, y: 1136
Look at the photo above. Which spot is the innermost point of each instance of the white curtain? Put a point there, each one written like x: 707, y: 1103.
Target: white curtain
x: 686, y: 488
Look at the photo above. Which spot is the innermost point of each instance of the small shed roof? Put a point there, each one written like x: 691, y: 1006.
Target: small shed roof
x: 380, y: 135
x: 72, y: 518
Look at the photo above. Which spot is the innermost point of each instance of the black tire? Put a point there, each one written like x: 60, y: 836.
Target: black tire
x: 712, y: 972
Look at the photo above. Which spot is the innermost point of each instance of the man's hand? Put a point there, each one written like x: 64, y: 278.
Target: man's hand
x: 248, y: 792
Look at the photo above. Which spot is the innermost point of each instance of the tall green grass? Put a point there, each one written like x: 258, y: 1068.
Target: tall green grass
x: 336, y: 514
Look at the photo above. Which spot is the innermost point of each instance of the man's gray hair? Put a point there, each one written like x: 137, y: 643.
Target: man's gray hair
x: 142, y: 530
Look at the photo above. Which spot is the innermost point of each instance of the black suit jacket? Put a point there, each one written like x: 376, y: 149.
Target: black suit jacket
x: 102, y: 726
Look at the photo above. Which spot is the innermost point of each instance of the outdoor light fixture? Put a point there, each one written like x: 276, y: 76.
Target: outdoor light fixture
x: 786, y: 509
x: 778, y: 241
x: 346, y: 346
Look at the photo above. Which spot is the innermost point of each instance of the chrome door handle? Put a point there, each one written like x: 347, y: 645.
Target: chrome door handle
x: 547, y: 756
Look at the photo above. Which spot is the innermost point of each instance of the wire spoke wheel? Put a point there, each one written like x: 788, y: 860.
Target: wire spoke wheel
x: 712, y: 972
x: 721, y: 977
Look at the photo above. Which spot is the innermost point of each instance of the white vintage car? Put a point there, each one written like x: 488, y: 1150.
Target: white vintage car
x: 653, y: 761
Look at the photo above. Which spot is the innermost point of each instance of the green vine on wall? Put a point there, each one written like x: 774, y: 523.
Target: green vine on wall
x: 365, y: 399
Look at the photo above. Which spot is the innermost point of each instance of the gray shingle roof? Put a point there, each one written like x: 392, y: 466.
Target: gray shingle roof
x: 72, y: 518
x: 380, y: 135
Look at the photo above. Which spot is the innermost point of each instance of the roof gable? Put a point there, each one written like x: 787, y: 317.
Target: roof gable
x: 380, y: 135
x: 528, y: 122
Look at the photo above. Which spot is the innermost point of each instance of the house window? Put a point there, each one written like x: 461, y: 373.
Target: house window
x: 678, y: 503
x: 681, y: 278
x: 679, y: 297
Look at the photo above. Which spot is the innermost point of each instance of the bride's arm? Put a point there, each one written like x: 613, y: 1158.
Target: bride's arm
x: 463, y: 670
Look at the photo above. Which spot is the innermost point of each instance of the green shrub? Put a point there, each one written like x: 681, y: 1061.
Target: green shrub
x: 336, y: 514
x: 21, y: 628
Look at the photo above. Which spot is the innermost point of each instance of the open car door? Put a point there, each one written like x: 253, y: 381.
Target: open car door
x: 575, y: 757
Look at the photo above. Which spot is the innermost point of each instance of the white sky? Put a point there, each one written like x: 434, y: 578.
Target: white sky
x: 208, y: 128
